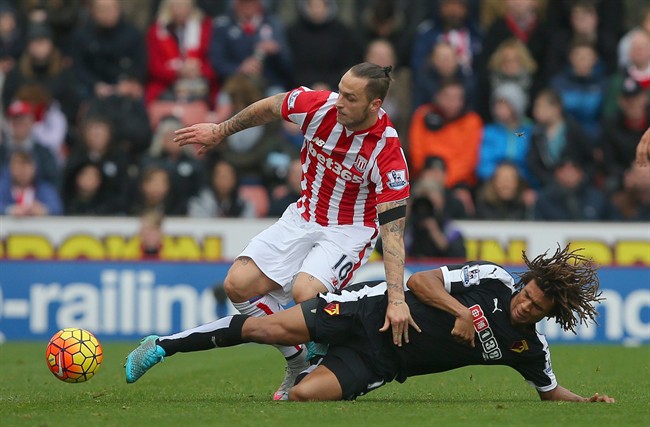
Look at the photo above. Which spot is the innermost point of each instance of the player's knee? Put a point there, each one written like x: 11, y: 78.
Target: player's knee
x: 299, y: 393
x: 235, y: 289
x: 302, y: 292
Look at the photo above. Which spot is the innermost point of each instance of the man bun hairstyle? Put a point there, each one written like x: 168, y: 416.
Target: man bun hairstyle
x: 378, y: 79
x: 570, y: 280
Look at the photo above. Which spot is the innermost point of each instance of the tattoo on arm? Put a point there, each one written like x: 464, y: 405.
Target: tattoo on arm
x: 392, y: 235
x: 256, y: 114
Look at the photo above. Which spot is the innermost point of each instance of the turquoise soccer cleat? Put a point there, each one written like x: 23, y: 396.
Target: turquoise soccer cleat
x: 143, y: 358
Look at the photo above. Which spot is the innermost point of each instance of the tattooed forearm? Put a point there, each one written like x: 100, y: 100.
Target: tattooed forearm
x: 392, y: 235
x: 256, y: 114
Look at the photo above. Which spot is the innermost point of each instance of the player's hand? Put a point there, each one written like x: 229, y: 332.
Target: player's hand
x: 463, y: 331
x: 398, y: 317
x: 604, y: 398
x: 643, y: 149
x: 206, y: 135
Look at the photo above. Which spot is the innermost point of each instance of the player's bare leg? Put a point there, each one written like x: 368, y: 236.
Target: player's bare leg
x: 248, y: 288
x: 320, y: 384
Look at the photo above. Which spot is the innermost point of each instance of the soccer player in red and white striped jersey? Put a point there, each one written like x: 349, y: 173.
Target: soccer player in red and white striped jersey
x: 354, y: 185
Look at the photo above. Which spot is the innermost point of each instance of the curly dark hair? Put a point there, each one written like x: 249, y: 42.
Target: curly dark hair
x: 570, y: 280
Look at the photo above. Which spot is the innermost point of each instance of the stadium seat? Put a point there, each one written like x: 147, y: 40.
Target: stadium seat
x: 258, y: 196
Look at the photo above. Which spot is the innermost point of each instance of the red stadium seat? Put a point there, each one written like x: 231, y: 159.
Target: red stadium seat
x: 258, y: 196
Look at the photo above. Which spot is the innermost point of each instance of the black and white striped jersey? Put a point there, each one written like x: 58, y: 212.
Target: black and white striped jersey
x: 486, y: 289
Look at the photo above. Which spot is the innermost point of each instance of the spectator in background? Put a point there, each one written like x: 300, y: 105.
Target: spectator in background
x: 510, y: 63
x: 246, y: 150
x: 22, y: 193
x: 446, y: 129
x: 321, y: 44
x: 442, y: 64
x: 220, y: 199
x: 508, y: 136
x: 43, y: 63
x: 569, y: 196
x: 20, y: 137
x: 451, y: 25
x: 186, y: 173
x: 177, y: 45
x: 431, y: 234
x: 624, y: 42
x: 154, y: 192
x: 104, y: 47
x: 287, y: 193
x: 50, y: 126
x: 504, y: 197
x: 61, y: 16
x: 431, y: 184
x: 251, y: 41
x: 584, y: 25
x: 396, y: 104
x: 127, y: 113
x: 96, y: 145
x: 555, y: 138
x: 389, y: 20
x: 638, y: 70
x: 622, y: 132
x: 84, y: 192
x: 12, y: 41
x: 521, y: 21
x: 612, y: 14
x: 632, y: 202
x: 151, y: 235
x: 582, y: 87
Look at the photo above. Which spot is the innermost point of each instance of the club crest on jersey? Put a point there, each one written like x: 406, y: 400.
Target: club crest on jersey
x: 292, y: 99
x: 361, y: 163
x: 397, y: 179
x: 469, y: 275
x: 519, y: 346
x: 332, y: 309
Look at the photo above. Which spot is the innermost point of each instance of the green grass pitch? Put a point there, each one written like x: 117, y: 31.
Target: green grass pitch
x: 233, y: 387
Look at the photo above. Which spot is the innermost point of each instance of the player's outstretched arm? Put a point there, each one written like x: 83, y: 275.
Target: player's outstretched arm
x: 208, y: 135
x: 643, y: 149
x: 398, y: 316
x: 561, y: 393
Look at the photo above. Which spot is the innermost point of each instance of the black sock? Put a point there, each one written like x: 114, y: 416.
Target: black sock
x: 224, y: 332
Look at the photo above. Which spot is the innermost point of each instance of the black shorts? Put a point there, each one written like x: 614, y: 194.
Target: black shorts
x: 361, y: 357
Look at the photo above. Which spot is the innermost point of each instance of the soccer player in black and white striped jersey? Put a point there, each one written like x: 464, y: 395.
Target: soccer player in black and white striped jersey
x: 469, y: 314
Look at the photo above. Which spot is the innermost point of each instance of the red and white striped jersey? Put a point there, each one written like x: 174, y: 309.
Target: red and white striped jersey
x: 345, y: 174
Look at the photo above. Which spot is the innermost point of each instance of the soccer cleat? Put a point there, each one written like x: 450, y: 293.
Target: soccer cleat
x: 140, y: 360
x: 294, y: 367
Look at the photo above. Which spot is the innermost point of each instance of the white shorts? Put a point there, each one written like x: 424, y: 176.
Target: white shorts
x: 292, y: 245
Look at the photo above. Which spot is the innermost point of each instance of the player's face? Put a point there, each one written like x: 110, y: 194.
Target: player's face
x: 530, y: 305
x: 354, y: 110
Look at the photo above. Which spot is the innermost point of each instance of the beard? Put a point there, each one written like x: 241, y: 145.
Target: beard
x: 351, y: 122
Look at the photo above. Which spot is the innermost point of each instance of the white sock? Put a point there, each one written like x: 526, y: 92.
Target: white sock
x: 266, y: 306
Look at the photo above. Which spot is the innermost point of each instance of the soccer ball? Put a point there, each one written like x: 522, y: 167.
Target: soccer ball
x: 74, y: 355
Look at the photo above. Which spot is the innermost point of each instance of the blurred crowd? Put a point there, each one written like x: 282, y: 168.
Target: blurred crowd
x: 506, y: 109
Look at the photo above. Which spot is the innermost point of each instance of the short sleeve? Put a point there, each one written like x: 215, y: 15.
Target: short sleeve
x: 302, y: 101
x: 393, y: 173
